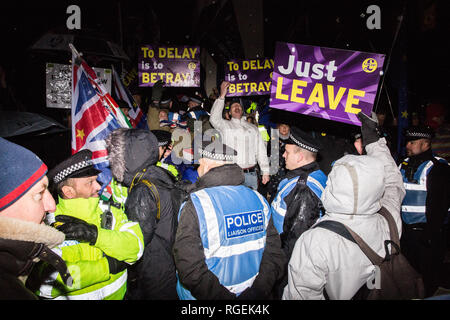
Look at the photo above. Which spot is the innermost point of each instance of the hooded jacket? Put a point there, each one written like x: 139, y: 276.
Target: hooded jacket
x: 21, y: 245
x: 357, y: 187
x: 134, y: 153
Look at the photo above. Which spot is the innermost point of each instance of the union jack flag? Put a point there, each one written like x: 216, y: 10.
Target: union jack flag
x: 137, y: 117
x: 94, y: 116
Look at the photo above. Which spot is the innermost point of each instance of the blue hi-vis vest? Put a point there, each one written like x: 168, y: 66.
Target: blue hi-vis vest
x: 233, y: 222
x: 413, y: 205
x: 316, y: 181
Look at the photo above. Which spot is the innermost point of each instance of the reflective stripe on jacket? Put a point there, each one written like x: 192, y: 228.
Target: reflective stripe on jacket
x: 264, y: 134
x: 87, y: 264
x: 169, y: 167
x: 233, y: 221
x: 413, y: 205
x: 316, y: 182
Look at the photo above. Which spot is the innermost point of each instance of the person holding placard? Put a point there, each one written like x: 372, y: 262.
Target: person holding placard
x: 243, y: 137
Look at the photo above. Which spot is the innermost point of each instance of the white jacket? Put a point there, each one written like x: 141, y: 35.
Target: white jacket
x: 242, y: 136
x: 356, y: 189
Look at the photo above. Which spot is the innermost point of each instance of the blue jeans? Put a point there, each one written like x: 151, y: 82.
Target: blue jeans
x: 251, y: 180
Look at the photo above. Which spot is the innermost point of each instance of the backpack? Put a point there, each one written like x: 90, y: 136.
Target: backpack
x: 178, y: 193
x: 398, y: 279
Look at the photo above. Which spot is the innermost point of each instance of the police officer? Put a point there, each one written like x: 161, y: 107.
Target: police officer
x: 425, y: 207
x: 195, y: 108
x: 297, y: 206
x: 226, y: 245
x: 165, y: 149
x: 100, y: 240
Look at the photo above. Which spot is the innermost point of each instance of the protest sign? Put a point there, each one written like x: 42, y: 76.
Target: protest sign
x: 59, y: 84
x: 249, y: 77
x: 176, y: 66
x: 328, y: 83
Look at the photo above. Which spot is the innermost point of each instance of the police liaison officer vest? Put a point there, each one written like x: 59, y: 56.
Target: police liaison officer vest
x: 413, y: 205
x: 316, y: 182
x: 233, y: 221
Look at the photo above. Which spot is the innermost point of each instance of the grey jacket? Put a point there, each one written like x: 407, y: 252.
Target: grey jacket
x: 357, y: 187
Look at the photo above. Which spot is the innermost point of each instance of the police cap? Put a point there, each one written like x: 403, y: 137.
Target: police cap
x: 78, y: 165
x: 419, y: 132
x: 164, y: 137
x: 303, y: 140
x: 216, y: 150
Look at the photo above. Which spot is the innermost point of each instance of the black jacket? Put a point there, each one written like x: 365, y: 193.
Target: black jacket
x: 303, y: 210
x: 438, y: 194
x: 190, y: 258
x: 22, y: 244
x: 133, y: 152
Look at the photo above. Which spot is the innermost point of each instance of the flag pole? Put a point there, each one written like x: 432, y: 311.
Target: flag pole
x: 399, y: 25
x: 75, y: 50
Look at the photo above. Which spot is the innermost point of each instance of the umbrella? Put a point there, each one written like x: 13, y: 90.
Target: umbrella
x: 89, y: 45
x: 14, y: 123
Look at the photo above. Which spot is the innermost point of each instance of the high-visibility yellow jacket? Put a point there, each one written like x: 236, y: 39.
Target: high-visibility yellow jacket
x: 87, y: 264
x: 169, y: 167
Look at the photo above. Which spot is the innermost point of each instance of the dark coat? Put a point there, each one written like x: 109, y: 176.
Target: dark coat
x: 189, y: 255
x: 303, y: 210
x: 21, y: 245
x: 153, y: 277
x: 425, y: 245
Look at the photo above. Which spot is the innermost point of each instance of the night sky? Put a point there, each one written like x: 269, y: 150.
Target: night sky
x: 339, y: 24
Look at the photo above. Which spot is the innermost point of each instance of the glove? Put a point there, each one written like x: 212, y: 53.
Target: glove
x: 251, y: 294
x: 115, y: 266
x: 425, y: 237
x: 369, y: 129
x: 157, y: 90
x: 76, y: 229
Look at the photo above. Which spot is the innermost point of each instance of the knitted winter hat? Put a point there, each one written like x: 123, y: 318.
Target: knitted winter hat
x: 21, y: 170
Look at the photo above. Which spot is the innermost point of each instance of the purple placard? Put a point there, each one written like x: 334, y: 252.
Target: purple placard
x: 249, y: 77
x: 177, y: 66
x: 339, y: 83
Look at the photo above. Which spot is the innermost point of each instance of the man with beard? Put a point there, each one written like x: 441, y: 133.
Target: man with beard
x: 425, y: 208
x: 242, y: 137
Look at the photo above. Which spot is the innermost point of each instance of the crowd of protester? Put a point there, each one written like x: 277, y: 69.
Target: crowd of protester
x: 220, y: 200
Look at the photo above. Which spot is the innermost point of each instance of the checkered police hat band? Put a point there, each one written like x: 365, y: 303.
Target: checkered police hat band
x: 73, y: 168
x: 419, y: 135
x: 302, y: 145
x: 215, y: 156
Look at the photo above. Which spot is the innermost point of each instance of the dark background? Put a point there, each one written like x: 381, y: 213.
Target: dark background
x: 420, y: 52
